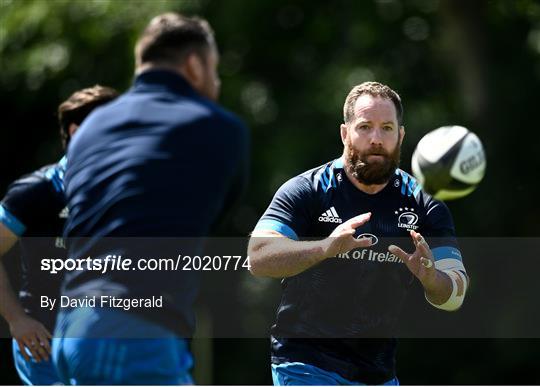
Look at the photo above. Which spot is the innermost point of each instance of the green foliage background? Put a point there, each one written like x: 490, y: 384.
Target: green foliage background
x: 286, y: 67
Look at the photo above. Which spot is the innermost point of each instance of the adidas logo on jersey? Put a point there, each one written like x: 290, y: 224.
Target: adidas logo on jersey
x: 330, y: 216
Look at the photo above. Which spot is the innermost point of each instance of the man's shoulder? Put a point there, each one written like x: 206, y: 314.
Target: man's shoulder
x: 47, y: 179
x: 188, y: 107
x: 225, y: 117
x: 32, y: 195
x: 325, y: 177
x: 320, y: 179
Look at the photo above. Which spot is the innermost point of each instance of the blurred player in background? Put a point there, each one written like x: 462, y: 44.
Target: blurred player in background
x: 329, y: 304
x: 164, y: 160
x: 35, y: 206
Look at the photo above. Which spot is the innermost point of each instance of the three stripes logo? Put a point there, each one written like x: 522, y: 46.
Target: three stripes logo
x: 330, y: 216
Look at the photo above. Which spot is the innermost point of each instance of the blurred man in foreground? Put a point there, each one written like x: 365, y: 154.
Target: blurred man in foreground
x: 329, y: 303
x: 34, y: 209
x: 164, y: 160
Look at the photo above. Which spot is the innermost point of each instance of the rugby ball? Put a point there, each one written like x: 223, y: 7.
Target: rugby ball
x: 449, y: 162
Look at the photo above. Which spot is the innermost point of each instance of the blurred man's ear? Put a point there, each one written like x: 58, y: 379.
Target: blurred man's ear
x: 343, y: 130
x: 193, y: 70
x: 72, y: 129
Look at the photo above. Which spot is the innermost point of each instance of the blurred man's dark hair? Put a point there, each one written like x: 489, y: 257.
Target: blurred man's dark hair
x: 169, y: 38
x: 79, y: 105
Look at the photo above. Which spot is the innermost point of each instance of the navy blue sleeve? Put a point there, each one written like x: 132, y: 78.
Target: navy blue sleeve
x: 439, y: 221
x: 240, y: 143
x: 229, y: 152
x: 22, y: 196
x: 289, y: 211
x: 441, y: 236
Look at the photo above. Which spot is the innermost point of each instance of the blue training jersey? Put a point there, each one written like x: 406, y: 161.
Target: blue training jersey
x: 34, y: 209
x: 340, y: 314
x: 159, y: 161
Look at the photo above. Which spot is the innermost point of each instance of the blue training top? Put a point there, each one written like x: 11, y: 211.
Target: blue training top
x: 159, y: 161
x: 34, y: 209
x: 340, y: 315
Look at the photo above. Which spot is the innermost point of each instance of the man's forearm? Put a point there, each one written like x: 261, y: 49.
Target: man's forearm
x: 439, y: 288
x: 282, y: 257
x: 10, y: 308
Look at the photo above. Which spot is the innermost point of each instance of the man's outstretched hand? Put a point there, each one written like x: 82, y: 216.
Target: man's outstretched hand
x: 342, y: 239
x: 421, y: 262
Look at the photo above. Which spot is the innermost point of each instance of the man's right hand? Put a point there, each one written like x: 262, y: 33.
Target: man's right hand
x: 31, y: 334
x: 342, y: 239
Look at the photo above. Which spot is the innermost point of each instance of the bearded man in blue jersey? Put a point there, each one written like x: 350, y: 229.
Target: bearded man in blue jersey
x: 342, y: 294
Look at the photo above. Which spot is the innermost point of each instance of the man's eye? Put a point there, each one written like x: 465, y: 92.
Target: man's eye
x: 363, y: 127
x: 388, y: 128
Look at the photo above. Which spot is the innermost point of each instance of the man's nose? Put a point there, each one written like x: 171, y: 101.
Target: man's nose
x: 376, y: 137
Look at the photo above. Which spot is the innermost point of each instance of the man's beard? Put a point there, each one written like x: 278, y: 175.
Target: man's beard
x: 371, y: 172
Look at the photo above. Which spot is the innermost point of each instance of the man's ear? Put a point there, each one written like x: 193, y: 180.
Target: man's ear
x: 343, y: 131
x: 72, y: 129
x: 193, y: 70
x: 401, y: 134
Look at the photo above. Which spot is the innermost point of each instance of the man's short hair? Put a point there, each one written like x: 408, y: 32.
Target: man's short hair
x: 375, y: 89
x: 79, y: 105
x: 169, y: 38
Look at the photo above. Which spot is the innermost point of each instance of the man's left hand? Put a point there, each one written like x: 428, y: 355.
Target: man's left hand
x: 421, y: 263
